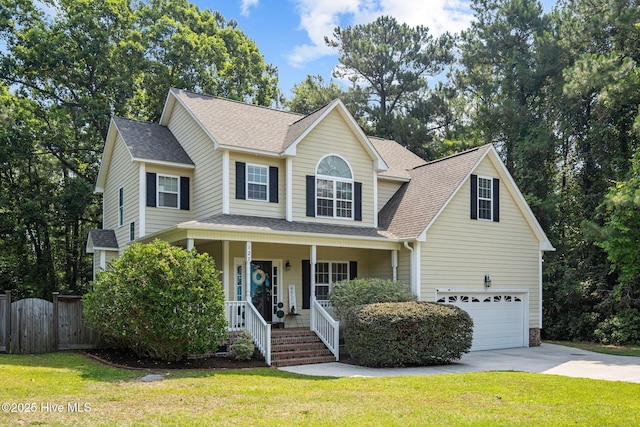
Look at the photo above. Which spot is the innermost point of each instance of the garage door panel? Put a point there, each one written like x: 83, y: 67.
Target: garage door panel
x: 498, y: 319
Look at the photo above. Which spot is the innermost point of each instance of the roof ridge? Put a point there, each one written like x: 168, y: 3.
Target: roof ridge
x: 451, y: 156
x: 204, y: 95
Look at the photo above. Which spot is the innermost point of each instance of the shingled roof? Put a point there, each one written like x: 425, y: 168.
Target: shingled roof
x: 238, y: 124
x: 417, y: 202
x: 102, y: 239
x: 150, y: 141
x: 399, y: 159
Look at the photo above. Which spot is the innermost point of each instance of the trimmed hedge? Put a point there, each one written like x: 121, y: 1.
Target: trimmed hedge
x: 348, y: 296
x: 408, y: 334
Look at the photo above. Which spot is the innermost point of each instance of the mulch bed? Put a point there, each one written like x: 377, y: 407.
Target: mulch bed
x: 127, y: 359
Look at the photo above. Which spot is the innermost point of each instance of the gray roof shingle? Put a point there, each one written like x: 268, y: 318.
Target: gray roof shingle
x: 150, y: 141
x: 104, y: 239
x: 257, y: 224
x: 417, y: 202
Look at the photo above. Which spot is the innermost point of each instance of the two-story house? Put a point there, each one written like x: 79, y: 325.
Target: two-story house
x: 289, y: 204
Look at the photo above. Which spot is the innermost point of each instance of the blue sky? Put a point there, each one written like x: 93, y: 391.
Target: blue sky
x: 290, y: 33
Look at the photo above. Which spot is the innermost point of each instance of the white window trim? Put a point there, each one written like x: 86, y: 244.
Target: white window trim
x: 335, y: 179
x: 246, y: 182
x: 120, y: 206
x: 158, y: 191
x: 239, y: 262
x: 478, y: 198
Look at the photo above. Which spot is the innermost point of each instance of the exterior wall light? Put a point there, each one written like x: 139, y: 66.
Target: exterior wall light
x: 287, y: 265
x: 487, y: 281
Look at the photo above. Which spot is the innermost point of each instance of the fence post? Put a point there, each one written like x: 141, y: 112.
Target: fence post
x: 7, y: 321
x: 55, y: 320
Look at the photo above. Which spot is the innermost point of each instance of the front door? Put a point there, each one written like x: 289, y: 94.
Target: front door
x: 262, y: 283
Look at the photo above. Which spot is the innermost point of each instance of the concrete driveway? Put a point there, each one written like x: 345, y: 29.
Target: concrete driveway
x: 546, y: 359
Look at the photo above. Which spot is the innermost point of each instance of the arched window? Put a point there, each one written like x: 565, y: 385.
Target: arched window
x: 334, y: 188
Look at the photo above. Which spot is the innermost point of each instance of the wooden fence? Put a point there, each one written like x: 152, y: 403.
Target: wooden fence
x: 33, y: 325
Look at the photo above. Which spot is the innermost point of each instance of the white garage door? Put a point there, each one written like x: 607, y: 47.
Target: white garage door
x: 498, y: 318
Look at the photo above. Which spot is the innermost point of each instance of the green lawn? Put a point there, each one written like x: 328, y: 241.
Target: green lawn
x: 277, y: 398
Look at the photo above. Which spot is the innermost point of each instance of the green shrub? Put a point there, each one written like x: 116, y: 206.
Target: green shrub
x: 408, y: 334
x: 242, y: 347
x: 348, y: 296
x: 160, y: 301
x: 622, y: 328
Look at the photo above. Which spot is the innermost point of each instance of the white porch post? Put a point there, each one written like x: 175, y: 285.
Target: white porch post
x: 394, y: 265
x: 247, y: 262
x: 225, y: 269
x: 313, y: 272
x: 190, y: 244
x: 313, y: 320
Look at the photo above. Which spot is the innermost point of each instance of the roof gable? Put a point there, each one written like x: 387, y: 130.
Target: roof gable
x: 416, y: 206
x: 145, y: 142
x: 101, y: 240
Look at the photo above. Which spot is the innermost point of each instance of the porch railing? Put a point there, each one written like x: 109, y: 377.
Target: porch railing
x: 327, y: 329
x: 260, y: 330
x: 235, y: 314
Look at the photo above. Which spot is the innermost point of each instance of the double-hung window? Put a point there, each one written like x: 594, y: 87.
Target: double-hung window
x: 334, y: 188
x: 257, y: 182
x: 328, y: 273
x: 168, y: 191
x: 485, y: 198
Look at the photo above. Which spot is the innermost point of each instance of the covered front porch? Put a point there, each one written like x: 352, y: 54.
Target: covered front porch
x: 281, y: 279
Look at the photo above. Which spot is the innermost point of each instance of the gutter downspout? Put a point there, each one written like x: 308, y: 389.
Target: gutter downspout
x: 412, y: 277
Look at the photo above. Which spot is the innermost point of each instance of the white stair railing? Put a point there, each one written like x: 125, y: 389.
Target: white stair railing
x: 235, y: 313
x: 260, y: 330
x: 326, y: 327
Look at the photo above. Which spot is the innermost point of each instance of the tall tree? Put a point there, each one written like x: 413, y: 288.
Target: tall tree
x: 392, y: 62
x: 69, y: 65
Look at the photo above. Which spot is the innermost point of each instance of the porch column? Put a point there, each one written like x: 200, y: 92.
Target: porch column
x: 190, y: 244
x: 313, y: 273
x: 225, y: 269
x: 394, y: 265
x: 247, y: 263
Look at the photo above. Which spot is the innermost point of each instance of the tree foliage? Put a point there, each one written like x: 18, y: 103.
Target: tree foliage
x: 160, y: 301
x: 66, y: 66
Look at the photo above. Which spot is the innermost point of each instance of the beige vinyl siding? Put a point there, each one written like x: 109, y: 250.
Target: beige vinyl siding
x: 207, y: 176
x: 459, y: 251
x: 122, y: 173
x: 379, y: 265
x: 257, y: 207
x: 386, y: 190
x: 160, y: 218
x: 404, y: 266
x: 332, y: 136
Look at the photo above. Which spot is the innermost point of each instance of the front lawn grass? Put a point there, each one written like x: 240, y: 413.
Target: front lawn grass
x: 617, y: 350
x: 277, y: 398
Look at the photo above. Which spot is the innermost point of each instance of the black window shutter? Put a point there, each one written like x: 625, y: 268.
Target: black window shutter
x: 474, y: 196
x: 306, y: 283
x: 311, y: 195
x: 184, y: 193
x: 151, y: 189
x: 273, y: 184
x: 240, y: 175
x: 357, y: 195
x: 496, y: 199
x: 353, y: 269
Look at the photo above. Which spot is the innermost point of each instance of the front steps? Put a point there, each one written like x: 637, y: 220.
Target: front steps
x: 298, y: 346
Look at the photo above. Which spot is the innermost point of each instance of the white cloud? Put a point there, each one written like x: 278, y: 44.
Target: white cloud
x: 246, y: 5
x: 319, y: 17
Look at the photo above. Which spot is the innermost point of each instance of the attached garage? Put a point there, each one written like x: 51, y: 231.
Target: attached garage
x: 499, y: 318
